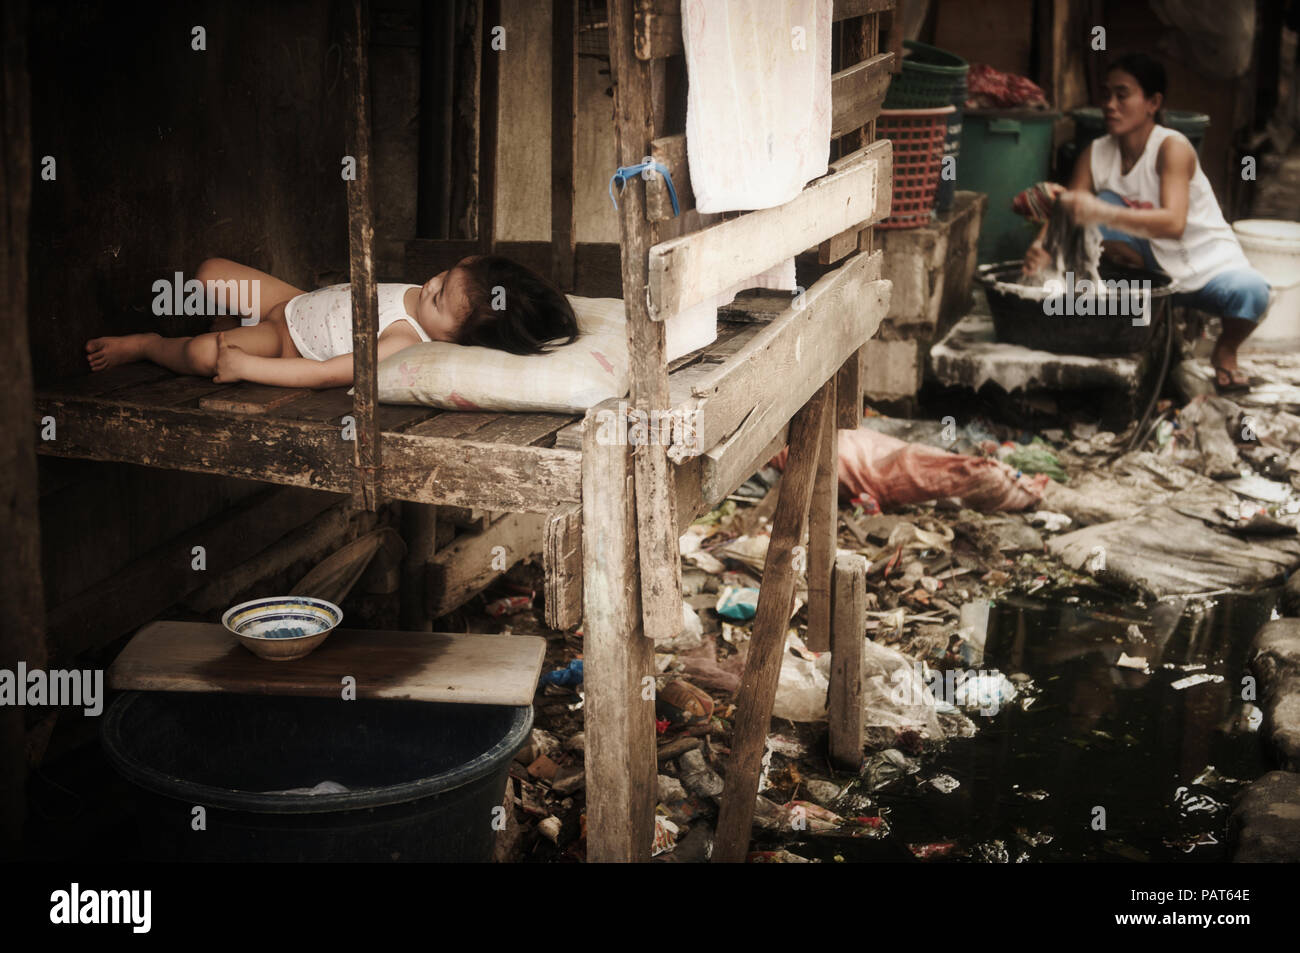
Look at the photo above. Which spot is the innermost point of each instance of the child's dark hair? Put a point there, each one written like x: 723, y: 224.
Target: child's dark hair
x: 512, y: 308
x: 1149, y: 74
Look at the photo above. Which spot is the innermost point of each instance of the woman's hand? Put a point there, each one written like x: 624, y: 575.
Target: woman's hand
x: 1084, y: 208
x: 230, y: 361
x: 1036, y: 258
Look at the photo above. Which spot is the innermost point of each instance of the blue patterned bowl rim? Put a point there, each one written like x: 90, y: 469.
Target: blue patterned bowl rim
x: 271, y: 607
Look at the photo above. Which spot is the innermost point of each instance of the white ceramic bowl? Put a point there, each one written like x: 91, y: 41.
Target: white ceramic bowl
x: 282, y: 628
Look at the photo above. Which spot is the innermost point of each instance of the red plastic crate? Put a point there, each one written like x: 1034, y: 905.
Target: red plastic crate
x: 918, y: 136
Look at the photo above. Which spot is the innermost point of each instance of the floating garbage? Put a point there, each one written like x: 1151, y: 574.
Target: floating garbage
x: 778, y: 857
x: 944, y: 783
x: 566, y: 677
x: 888, y: 767
x: 987, y: 691
x: 500, y: 607
x: 738, y: 604
x: 1198, y: 679
x: 930, y: 851
x: 1137, y: 663
x: 665, y: 836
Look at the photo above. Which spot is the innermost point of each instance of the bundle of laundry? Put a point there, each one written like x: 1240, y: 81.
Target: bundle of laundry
x: 893, y: 472
x: 989, y: 88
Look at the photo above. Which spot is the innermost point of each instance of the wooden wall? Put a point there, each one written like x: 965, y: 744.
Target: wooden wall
x: 167, y: 155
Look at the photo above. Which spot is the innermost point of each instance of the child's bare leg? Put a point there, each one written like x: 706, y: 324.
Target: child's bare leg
x: 216, y: 274
x: 185, y: 355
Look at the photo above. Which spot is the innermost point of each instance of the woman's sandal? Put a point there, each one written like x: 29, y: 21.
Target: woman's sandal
x: 1235, y: 381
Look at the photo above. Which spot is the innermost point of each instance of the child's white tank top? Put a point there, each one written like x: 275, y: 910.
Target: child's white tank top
x: 1208, y: 246
x: 320, y: 322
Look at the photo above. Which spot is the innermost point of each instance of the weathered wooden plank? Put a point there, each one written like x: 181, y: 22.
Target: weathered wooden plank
x: 104, y: 382
x: 471, y: 562
x: 562, y: 566
x: 823, y: 530
x: 848, y: 393
x: 657, y: 29
x: 171, y: 391
x: 361, y: 259
x: 489, y: 127
x: 334, y: 576
x: 453, y: 423
x: 476, y: 669
x: 246, y: 398
x: 596, y: 264
x: 420, y: 523
x: 570, y: 437
x: 489, y: 476
x: 660, y: 562
x: 658, y: 23
x: 733, y: 461
x: 844, y: 9
x: 23, y: 635
x: 332, y: 405
x: 620, y: 756
x: 670, y: 151
x: 523, y: 430
x: 807, y: 344
x: 315, y: 455
x: 564, y: 140
x: 686, y: 270
x: 844, y: 701
x: 150, y: 584
x: 767, y: 645
x: 858, y: 92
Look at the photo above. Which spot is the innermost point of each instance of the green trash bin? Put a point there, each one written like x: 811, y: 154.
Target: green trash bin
x: 1004, y: 151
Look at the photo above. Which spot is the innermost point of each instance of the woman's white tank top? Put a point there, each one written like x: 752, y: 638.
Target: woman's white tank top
x: 320, y: 322
x: 1208, y: 246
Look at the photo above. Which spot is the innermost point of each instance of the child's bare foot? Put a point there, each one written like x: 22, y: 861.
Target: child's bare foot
x: 106, y: 352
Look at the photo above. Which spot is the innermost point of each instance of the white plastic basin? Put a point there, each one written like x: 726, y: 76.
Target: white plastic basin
x: 1273, y: 249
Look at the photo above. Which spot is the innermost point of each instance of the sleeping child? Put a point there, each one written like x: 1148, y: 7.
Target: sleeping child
x: 304, y: 339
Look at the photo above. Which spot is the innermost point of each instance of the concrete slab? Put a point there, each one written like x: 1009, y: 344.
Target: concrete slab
x: 969, y: 356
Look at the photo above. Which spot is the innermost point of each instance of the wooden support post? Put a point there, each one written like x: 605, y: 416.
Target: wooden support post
x: 620, y: 753
x: 767, y: 646
x: 22, y: 636
x: 361, y: 255
x: 823, y: 531
x: 489, y: 126
x: 562, y: 566
x: 660, y: 562
x: 844, y: 704
x: 420, y: 531
x: 861, y: 42
x: 564, y: 140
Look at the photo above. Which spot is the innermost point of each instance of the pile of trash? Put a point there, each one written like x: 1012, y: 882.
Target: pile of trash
x: 950, y: 518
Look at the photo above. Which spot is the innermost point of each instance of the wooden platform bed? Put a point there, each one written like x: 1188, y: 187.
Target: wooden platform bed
x: 610, y: 513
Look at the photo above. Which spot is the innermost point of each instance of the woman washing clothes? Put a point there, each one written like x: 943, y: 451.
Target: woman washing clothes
x: 1157, y: 211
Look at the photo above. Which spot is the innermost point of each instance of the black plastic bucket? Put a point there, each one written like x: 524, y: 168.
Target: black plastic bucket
x: 422, y: 779
x: 1045, y: 324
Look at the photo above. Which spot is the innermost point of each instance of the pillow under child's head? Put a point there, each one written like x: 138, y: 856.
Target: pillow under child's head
x: 568, y: 379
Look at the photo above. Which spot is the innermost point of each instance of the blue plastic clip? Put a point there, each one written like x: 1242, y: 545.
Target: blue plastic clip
x: 647, y: 165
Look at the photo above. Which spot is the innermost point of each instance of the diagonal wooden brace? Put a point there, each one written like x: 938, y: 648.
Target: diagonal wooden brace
x: 767, y: 646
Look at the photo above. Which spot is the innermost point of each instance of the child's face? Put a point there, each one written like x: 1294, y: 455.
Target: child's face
x: 443, y: 304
